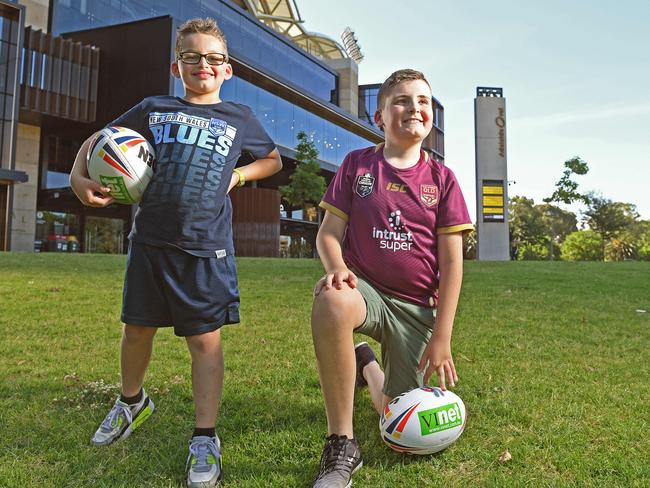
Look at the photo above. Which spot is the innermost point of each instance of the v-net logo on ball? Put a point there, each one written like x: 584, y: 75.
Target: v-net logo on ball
x: 441, y: 418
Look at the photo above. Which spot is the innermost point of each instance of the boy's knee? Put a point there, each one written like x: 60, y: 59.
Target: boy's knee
x: 337, y: 307
x: 136, y: 333
x: 204, y: 343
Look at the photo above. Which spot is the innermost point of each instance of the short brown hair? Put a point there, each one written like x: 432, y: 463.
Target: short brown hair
x: 396, y: 78
x: 199, y: 26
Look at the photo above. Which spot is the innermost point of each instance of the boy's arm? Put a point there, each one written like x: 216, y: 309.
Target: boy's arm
x: 438, y: 352
x: 88, y: 191
x: 258, y: 169
x: 329, y: 244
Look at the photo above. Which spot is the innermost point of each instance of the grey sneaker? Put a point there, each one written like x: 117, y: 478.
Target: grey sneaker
x: 204, y: 462
x: 122, y: 420
x: 341, y: 457
x: 364, y: 355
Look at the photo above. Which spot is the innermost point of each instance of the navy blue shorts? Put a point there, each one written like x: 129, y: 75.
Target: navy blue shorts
x: 165, y: 287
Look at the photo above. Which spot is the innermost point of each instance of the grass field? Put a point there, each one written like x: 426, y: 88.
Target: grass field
x: 553, y: 359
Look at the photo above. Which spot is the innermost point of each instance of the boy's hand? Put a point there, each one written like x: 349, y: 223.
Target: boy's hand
x: 234, y: 181
x: 437, y: 358
x: 91, y: 193
x: 336, y: 279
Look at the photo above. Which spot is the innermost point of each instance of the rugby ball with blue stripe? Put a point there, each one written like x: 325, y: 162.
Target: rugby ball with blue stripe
x: 423, y: 421
x: 122, y: 160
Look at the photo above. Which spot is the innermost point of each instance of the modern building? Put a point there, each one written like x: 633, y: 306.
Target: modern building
x: 69, y: 67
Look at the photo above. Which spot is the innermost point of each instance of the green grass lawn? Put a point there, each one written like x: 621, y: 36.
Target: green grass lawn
x: 553, y: 359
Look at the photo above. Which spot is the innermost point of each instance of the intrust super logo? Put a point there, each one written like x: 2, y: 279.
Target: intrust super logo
x: 397, y: 237
x: 441, y: 418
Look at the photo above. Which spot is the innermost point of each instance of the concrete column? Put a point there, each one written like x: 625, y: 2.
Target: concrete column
x: 23, y: 218
x: 36, y: 12
x: 348, y: 84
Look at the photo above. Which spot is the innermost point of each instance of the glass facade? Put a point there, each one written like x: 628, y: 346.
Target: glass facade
x: 283, y: 120
x: 9, y: 33
x: 61, y: 232
x: 248, y: 39
x: 56, y: 232
x: 104, y: 235
x: 57, y: 155
x: 368, y: 103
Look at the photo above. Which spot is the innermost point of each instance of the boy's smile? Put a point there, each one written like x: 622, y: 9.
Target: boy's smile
x: 202, y: 81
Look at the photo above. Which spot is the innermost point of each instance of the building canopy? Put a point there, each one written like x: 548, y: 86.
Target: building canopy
x: 283, y: 17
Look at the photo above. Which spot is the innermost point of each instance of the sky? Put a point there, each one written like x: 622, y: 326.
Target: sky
x: 575, y: 75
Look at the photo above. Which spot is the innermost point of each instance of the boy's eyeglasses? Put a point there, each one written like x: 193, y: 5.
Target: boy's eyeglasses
x: 213, y: 59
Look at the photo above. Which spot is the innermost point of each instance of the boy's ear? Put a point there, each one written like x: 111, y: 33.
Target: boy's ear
x: 174, y: 69
x: 378, y: 120
x: 228, y: 71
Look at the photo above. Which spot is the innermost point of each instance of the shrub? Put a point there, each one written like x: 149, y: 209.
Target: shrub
x: 619, y: 249
x: 532, y: 252
x: 583, y: 245
x: 469, y: 245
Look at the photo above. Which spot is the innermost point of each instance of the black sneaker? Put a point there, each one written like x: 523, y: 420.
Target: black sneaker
x: 341, y: 457
x: 364, y: 355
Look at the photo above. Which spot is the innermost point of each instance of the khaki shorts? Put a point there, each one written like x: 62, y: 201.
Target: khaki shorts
x: 403, y: 329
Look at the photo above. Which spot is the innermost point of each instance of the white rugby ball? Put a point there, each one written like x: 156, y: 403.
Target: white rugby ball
x: 423, y: 421
x: 122, y: 160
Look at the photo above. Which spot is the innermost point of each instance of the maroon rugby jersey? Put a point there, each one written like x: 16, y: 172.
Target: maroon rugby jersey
x: 394, y: 217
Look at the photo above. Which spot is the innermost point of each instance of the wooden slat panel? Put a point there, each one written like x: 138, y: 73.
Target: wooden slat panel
x: 49, y: 50
x: 60, y: 77
x: 58, y: 72
x: 67, y: 78
x: 39, y: 46
x: 94, y: 82
x: 75, y: 80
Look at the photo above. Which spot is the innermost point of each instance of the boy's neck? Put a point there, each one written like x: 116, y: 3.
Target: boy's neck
x: 402, y: 156
x: 204, y: 99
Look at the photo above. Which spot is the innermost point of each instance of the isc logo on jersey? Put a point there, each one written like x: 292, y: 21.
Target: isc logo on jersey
x: 396, y: 187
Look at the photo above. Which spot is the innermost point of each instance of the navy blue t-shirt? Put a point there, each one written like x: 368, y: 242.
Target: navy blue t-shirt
x: 197, y: 146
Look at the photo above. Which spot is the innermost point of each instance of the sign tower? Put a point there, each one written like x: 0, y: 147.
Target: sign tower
x: 491, y: 175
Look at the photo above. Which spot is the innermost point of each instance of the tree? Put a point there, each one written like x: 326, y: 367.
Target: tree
x: 559, y: 223
x: 609, y: 218
x: 526, y: 223
x: 566, y: 190
x: 619, y: 249
x: 307, y: 185
x: 583, y: 245
x: 537, y: 231
x: 641, y: 233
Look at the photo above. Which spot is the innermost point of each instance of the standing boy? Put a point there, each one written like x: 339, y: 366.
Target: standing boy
x: 181, y: 267
x: 391, y: 245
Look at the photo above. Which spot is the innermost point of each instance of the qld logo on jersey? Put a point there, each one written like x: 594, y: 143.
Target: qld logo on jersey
x: 429, y: 195
x: 364, y: 185
x: 218, y: 127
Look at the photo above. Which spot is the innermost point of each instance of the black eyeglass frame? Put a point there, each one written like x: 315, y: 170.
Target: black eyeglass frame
x: 200, y: 56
